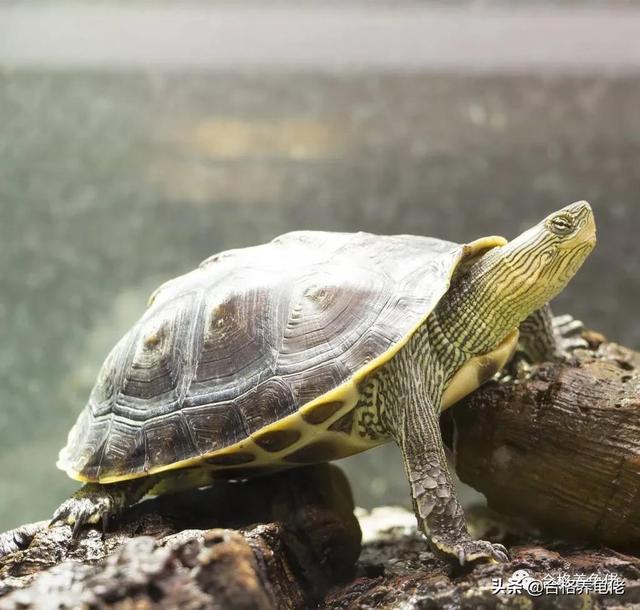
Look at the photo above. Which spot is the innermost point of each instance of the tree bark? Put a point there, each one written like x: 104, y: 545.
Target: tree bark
x: 397, y: 571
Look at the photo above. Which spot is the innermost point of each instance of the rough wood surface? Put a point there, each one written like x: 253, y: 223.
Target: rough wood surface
x: 397, y: 571
x: 561, y: 449
x: 275, y: 543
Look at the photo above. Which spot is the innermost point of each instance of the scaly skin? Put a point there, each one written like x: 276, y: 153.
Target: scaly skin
x: 413, y: 383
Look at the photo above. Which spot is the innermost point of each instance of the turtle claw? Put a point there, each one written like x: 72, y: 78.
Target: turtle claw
x: 85, y: 507
x: 500, y: 553
x: 77, y: 526
x: 567, y: 325
x: 568, y: 333
x: 470, y: 550
x: 105, y: 522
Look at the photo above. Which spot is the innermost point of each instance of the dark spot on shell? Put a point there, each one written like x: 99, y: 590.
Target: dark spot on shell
x: 231, y: 459
x: 343, y: 424
x: 155, y: 338
x: 320, y: 451
x: 275, y: 440
x: 322, y: 412
x: 488, y: 367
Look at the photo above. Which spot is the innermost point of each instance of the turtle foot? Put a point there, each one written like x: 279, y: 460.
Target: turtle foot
x: 469, y: 550
x: 563, y: 335
x: 90, y: 505
x: 568, y: 336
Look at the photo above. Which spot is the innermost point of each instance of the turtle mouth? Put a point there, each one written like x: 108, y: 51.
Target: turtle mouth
x: 590, y: 229
x: 590, y: 238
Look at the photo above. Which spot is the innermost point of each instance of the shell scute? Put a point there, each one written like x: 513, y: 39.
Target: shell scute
x: 125, y: 442
x: 168, y: 440
x: 157, y: 353
x: 214, y: 426
x: 270, y: 401
x: 307, y: 384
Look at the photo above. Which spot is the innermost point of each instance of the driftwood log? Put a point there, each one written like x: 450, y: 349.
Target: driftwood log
x: 559, y: 450
x: 562, y: 449
x: 268, y: 543
x: 397, y: 571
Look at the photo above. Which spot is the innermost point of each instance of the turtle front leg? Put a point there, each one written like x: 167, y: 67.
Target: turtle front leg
x: 438, y: 512
x: 95, y: 503
x: 545, y: 337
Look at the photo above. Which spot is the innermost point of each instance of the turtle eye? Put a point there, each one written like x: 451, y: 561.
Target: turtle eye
x: 561, y: 225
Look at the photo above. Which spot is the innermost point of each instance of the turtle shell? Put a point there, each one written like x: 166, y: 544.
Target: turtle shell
x: 250, y: 337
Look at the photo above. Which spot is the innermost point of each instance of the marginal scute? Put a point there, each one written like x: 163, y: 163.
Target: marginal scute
x: 86, y: 445
x: 269, y: 402
x: 321, y: 412
x: 276, y: 440
x: 214, y: 426
x: 167, y: 437
x: 127, y: 443
x: 306, y: 383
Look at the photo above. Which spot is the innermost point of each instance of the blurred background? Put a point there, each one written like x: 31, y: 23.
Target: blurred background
x: 136, y: 139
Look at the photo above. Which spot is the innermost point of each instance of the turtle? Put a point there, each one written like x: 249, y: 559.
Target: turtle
x: 316, y: 346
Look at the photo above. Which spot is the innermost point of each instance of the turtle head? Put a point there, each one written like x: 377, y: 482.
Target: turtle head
x: 510, y: 282
x: 539, y: 263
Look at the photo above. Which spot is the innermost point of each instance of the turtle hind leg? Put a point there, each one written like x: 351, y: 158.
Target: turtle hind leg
x: 95, y: 503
